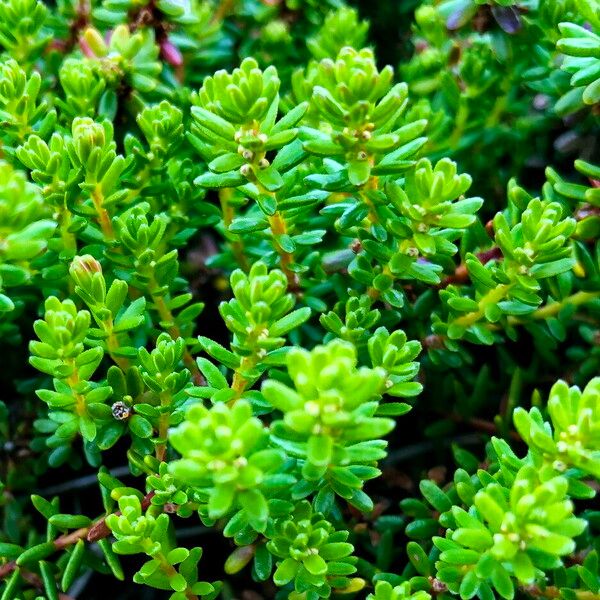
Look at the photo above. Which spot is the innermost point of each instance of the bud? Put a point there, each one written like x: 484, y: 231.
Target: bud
x: 94, y: 41
x: 83, y: 268
x: 238, y: 559
x: 87, y: 134
x: 171, y: 53
x: 86, y: 271
x: 276, y: 32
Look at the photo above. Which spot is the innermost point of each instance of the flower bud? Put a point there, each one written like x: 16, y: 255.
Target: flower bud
x: 94, y: 41
x: 87, y: 135
x: 83, y: 268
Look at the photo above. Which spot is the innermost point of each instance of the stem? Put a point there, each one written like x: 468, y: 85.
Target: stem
x: 237, y: 246
x: 166, y: 316
x: 497, y: 110
x: 492, y: 297
x: 239, y: 383
x: 163, y: 426
x: 550, y: 310
x: 279, y: 227
x: 372, y: 184
x: 72, y: 381
x: 462, y: 116
x: 94, y: 532
x: 112, y: 343
x: 373, y: 293
x: 577, y: 299
x: 103, y: 216
x: 64, y: 222
x: 224, y: 8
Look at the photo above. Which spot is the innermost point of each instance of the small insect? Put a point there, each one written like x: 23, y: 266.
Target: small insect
x: 120, y: 411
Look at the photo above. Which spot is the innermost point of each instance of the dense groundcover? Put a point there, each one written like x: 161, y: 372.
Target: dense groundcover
x: 299, y: 299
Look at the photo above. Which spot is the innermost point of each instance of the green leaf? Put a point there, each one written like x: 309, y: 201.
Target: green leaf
x: 269, y: 178
x: 359, y: 172
x: 435, y: 496
x: 248, y: 224
x: 502, y: 582
x: 469, y: 585
x: 140, y: 426
x: 111, y: 559
x: 319, y: 450
x: 257, y: 510
x: 263, y: 562
x: 285, y: 572
x: 36, y: 553
x: 220, y: 501
x: 523, y: 568
x: 10, y: 551
x: 214, y: 377
x: 289, y: 322
x: 219, y: 353
x: 63, y: 521
x: 73, y: 565
x: 267, y: 203
x: 220, y: 180
x: 315, y: 564
x: 551, y: 269
x: 49, y: 582
x: 418, y: 558
x: 226, y: 162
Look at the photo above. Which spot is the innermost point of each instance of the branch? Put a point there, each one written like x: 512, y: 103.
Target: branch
x: 96, y: 531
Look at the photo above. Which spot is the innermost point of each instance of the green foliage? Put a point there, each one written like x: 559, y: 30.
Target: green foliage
x: 168, y: 568
x: 385, y: 591
x: 582, y: 50
x: 516, y: 536
x: 313, y: 554
x: 241, y: 240
x: 232, y: 464
x: 126, y: 59
x: 330, y: 421
x: 21, y: 28
x: 25, y: 233
x: 508, y: 526
x: 21, y: 108
x: 572, y: 439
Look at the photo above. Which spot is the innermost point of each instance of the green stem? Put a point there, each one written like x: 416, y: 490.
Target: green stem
x: 165, y: 315
x: 286, y: 259
x: 550, y: 310
x: 64, y: 222
x: 237, y: 246
x: 492, y: 297
x: 462, y: 117
x: 163, y: 426
x: 240, y: 383
x: 103, y: 216
x: 112, y: 344
x: 279, y: 227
